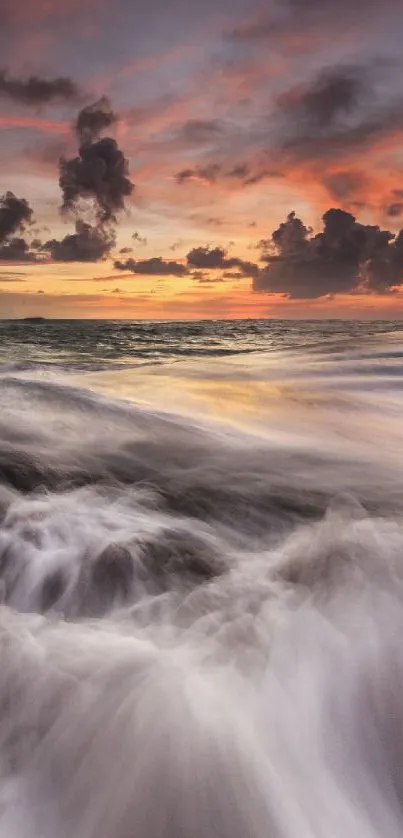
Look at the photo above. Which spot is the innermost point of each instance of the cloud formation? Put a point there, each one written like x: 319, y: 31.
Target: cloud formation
x: 17, y: 250
x: 339, y: 110
x: 216, y: 258
x: 15, y: 215
x: 100, y: 172
x: 87, y: 244
x: 156, y: 266
x: 346, y: 257
x: 93, y: 120
x: 205, y: 174
x: 35, y: 91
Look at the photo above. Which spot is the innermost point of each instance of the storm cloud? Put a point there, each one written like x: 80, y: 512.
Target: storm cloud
x: 346, y: 257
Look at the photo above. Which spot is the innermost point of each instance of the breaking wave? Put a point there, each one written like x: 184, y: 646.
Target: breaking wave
x: 200, y: 622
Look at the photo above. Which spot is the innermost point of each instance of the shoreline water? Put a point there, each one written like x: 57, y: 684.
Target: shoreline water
x: 202, y: 587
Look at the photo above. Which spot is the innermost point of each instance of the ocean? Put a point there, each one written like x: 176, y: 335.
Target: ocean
x: 201, y: 579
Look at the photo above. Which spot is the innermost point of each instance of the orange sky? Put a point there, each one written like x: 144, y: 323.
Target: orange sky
x: 230, y: 117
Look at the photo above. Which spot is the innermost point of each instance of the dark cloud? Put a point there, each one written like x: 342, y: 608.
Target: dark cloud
x: 93, y: 120
x: 344, y: 185
x: 15, y: 215
x: 395, y: 208
x: 339, y: 110
x: 36, y: 91
x: 199, y: 275
x: 208, y: 174
x: 184, y: 175
x: 139, y: 239
x: 261, y: 174
x: 346, y: 257
x: 17, y: 249
x: 155, y: 266
x: 126, y: 250
x: 176, y: 245
x: 243, y: 173
x: 87, y: 244
x: 206, y: 258
x: 336, y: 92
x: 203, y: 278
x: 100, y: 172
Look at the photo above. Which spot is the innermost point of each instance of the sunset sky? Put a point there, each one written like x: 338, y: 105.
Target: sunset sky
x: 230, y: 115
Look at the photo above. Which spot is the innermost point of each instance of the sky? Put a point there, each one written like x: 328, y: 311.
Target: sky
x: 188, y: 159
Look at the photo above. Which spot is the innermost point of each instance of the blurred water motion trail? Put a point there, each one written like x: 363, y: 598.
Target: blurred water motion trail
x: 201, y: 571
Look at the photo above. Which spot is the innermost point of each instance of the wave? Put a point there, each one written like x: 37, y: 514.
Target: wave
x: 200, y: 623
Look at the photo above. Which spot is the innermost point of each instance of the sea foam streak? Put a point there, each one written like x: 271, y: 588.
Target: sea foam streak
x: 200, y: 629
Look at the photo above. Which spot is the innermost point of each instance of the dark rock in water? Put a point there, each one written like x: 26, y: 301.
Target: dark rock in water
x: 180, y: 554
x: 6, y: 499
x: 19, y: 470
x: 112, y: 577
x: 53, y: 589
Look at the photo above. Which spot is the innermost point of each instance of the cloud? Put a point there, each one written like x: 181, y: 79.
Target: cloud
x: 395, y: 208
x: 205, y: 174
x: 93, y: 120
x: 287, y: 17
x: 176, y: 245
x: 18, y: 250
x: 34, y: 91
x: 338, y: 111
x: 15, y: 215
x: 201, y: 131
x: 139, y: 239
x: 247, y: 175
x: 345, y: 184
x: 204, y: 279
x: 100, y: 172
x: 155, y: 266
x: 206, y: 258
x: 87, y: 244
x: 336, y: 92
x: 346, y: 257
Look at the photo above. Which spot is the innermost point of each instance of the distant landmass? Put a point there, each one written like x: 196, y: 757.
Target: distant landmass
x: 34, y: 319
